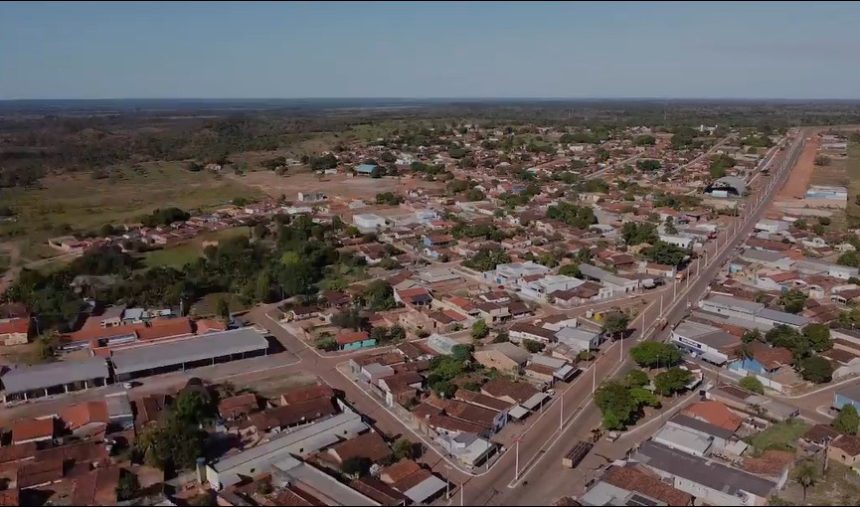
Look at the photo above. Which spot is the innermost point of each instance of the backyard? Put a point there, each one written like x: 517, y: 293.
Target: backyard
x: 780, y: 436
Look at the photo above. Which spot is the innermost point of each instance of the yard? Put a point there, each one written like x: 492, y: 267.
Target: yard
x: 839, y: 486
x: 208, y: 305
x: 781, y: 436
x: 78, y: 202
x: 182, y: 254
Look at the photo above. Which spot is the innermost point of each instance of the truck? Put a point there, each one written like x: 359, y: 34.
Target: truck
x: 576, y: 454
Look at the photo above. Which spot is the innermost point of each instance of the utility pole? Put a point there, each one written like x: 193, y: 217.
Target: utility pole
x: 594, y: 377
x: 661, y: 306
x: 462, y: 487
x: 561, y: 414
x: 517, y: 469
x: 448, y: 483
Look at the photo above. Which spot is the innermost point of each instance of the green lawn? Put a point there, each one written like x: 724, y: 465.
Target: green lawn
x: 174, y: 257
x: 208, y: 304
x: 780, y: 436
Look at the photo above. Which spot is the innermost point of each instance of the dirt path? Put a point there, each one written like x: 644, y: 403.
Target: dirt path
x: 14, y: 253
x: 797, y: 183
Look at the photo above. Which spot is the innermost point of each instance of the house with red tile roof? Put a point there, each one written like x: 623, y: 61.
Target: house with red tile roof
x: 15, y: 331
x: 354, y: 340
x: 86, y: 417
x: 33, y: 430
x: 715, y: 413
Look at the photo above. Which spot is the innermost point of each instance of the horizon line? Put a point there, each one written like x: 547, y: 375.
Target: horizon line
x: 404, y: 98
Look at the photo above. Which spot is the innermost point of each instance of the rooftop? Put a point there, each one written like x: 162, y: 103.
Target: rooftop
x: 30, y: 378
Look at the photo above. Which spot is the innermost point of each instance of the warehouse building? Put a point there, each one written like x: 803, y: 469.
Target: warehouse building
x: 30, y: 382
x: 180, y: 355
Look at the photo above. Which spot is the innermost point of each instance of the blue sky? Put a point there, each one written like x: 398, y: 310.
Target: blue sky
x: 433, y: 49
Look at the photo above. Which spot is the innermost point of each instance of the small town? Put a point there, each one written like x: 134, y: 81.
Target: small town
x: 427, y: 301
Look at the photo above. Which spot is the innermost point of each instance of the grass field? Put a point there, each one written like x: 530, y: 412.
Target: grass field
x: 180, y: 255
x: 78, y: 202
x: 781, y: 436
x: 208, y: 305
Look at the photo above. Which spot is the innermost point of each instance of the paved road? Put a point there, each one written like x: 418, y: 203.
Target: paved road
x: 543, y: 477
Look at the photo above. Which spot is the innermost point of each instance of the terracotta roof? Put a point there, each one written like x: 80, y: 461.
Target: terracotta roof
x: 634, y: 479
x: 84, y: 452
x: 84, y: 413
x: 481, y: 400
x: 289, y: 415
x: 369, y: 445
x: 306, y: 393
x: 395, y: 473
x: 10, y: 497
x: 17, y: 452
x: 235, y: 406
x: 29, y: 429
x: 770, y: 357
x: 21, y: 325
x: 519, y: 391
x: 819, y: 433
x: 461, y: 303
x: 715, y: 413
x: 165, y: 328
x: 771, y: 463
x: 347, y: 337
x: 97, y: 487
x: 89, y: 332
x: 290, y: 498
x: 210, y: 325
x: 378, y: 491
x: 39, y: 472
x: 149, y: 408
x: 848, y: 443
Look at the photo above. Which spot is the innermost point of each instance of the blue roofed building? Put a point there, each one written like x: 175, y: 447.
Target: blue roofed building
x: 847, y: 396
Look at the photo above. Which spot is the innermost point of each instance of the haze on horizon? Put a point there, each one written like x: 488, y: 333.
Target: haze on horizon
x: 94, y: 50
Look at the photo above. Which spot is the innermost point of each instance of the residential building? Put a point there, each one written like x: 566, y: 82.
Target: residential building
x: 708, y: 342
x: 15, y: 331
x: 505, y: 357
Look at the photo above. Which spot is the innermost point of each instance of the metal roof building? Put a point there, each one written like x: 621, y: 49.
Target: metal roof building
x: 54, y: 378
x: 199, y: 350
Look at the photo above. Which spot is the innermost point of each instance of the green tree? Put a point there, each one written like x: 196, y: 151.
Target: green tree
x: 849, y: 258
x: 501, y: 337
x: 379, y: 295
x: 818, y: 337
x: 533, y: 346
x: 806, y: 475
x: 793, y: 301
x: 847, y: 421
x: 636, y: 378
x: 487, y: 258
x: 462, y: 353
x: 615, y: 324
x: 403, y: 449
x: 672, y: 381
x: 222, y: 308
x: 635, y: 233
x: 571, y: 269
x: 752, y: 384
x: 665, y: 253
x: 644, y: 140
x: 326, y: 343
x: 648, y: 164
x: 356, y: 466
x: 618, y: 406
x: 128, y: 486
x: 655, y: 354
x: 192, y: 407
x: 816, y: 369
x: 480, y: 329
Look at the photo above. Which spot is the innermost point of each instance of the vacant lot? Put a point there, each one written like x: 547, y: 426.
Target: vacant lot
x: 781, y: 436
x: 79, y: 202
x: 338, y: 187
x: 839, y: 486
x: 180, y: 255
x: 797, y: 183
x: 852, y: 170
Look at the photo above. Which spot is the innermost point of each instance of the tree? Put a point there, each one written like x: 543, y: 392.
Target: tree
x: 751, y: 335
x: 174, y: 442
x: 571, y: 269
x: 644, y: 140
x: 128, y: 486
x: 849, y: 258
x: 806, y: 476
x: 487, y: 258
x: 480, y: 329
x: 349, y: 318
x: 356, y: 466
x: 634, y: 233
x: 326, y: 343
x: 462, y: 353
x: 847, y: 421
x: 750, y: 383
x: 665, y: 253
x: 501, y: 337
x: 822, y: 160
x: 379, y: 295
x: 615, y: 324
x: 403, y: 449
x: 617, y: 405
x: 818, y: 337
x: 719, y: 164
x: 580, y: 217
x: 636, y: 378
x: 816, y: 369
x: 670, y: 225
x: 533, y: 346
x: 655, y: 354
x: 648, y: 164
x: 672, y: 381
x: 793, y: 301
x: 192, y: 407
x: 222, y: 308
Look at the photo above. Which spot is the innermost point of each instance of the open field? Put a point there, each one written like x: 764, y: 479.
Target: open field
x: 77, y: 202
x: 796, y: 185
x: 339, y: 185
x: 179, y: 255
x: 839, y: 486
x: 852, y: 170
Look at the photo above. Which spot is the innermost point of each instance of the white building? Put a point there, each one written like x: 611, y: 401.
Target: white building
x: 368, y: 222
x: 684, y: 242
